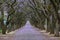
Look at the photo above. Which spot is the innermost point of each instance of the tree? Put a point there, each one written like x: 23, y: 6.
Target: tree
x: 56, y: 4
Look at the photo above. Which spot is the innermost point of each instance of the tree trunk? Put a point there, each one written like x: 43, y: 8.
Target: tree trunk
x: 52, y: 24
x: 48, y: 25
x: 2, y: 23
x: 57, y: 29
x: 3, y: 29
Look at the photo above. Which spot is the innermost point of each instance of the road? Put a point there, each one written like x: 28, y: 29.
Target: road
x: 28, y: 32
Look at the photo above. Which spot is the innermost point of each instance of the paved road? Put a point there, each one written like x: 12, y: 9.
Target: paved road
x: 28, y: 32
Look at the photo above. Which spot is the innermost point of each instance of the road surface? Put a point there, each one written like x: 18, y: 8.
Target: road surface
x: 28, y: 32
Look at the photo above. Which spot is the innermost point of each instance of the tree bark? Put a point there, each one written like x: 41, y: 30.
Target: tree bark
x: 48, y: 25
x: 52, y: 24
x: 57, y: 29
x: 2, y: 23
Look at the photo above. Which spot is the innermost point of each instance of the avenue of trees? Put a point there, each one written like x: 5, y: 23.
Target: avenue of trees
x: 43, y: 14
x: 49, y: 11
